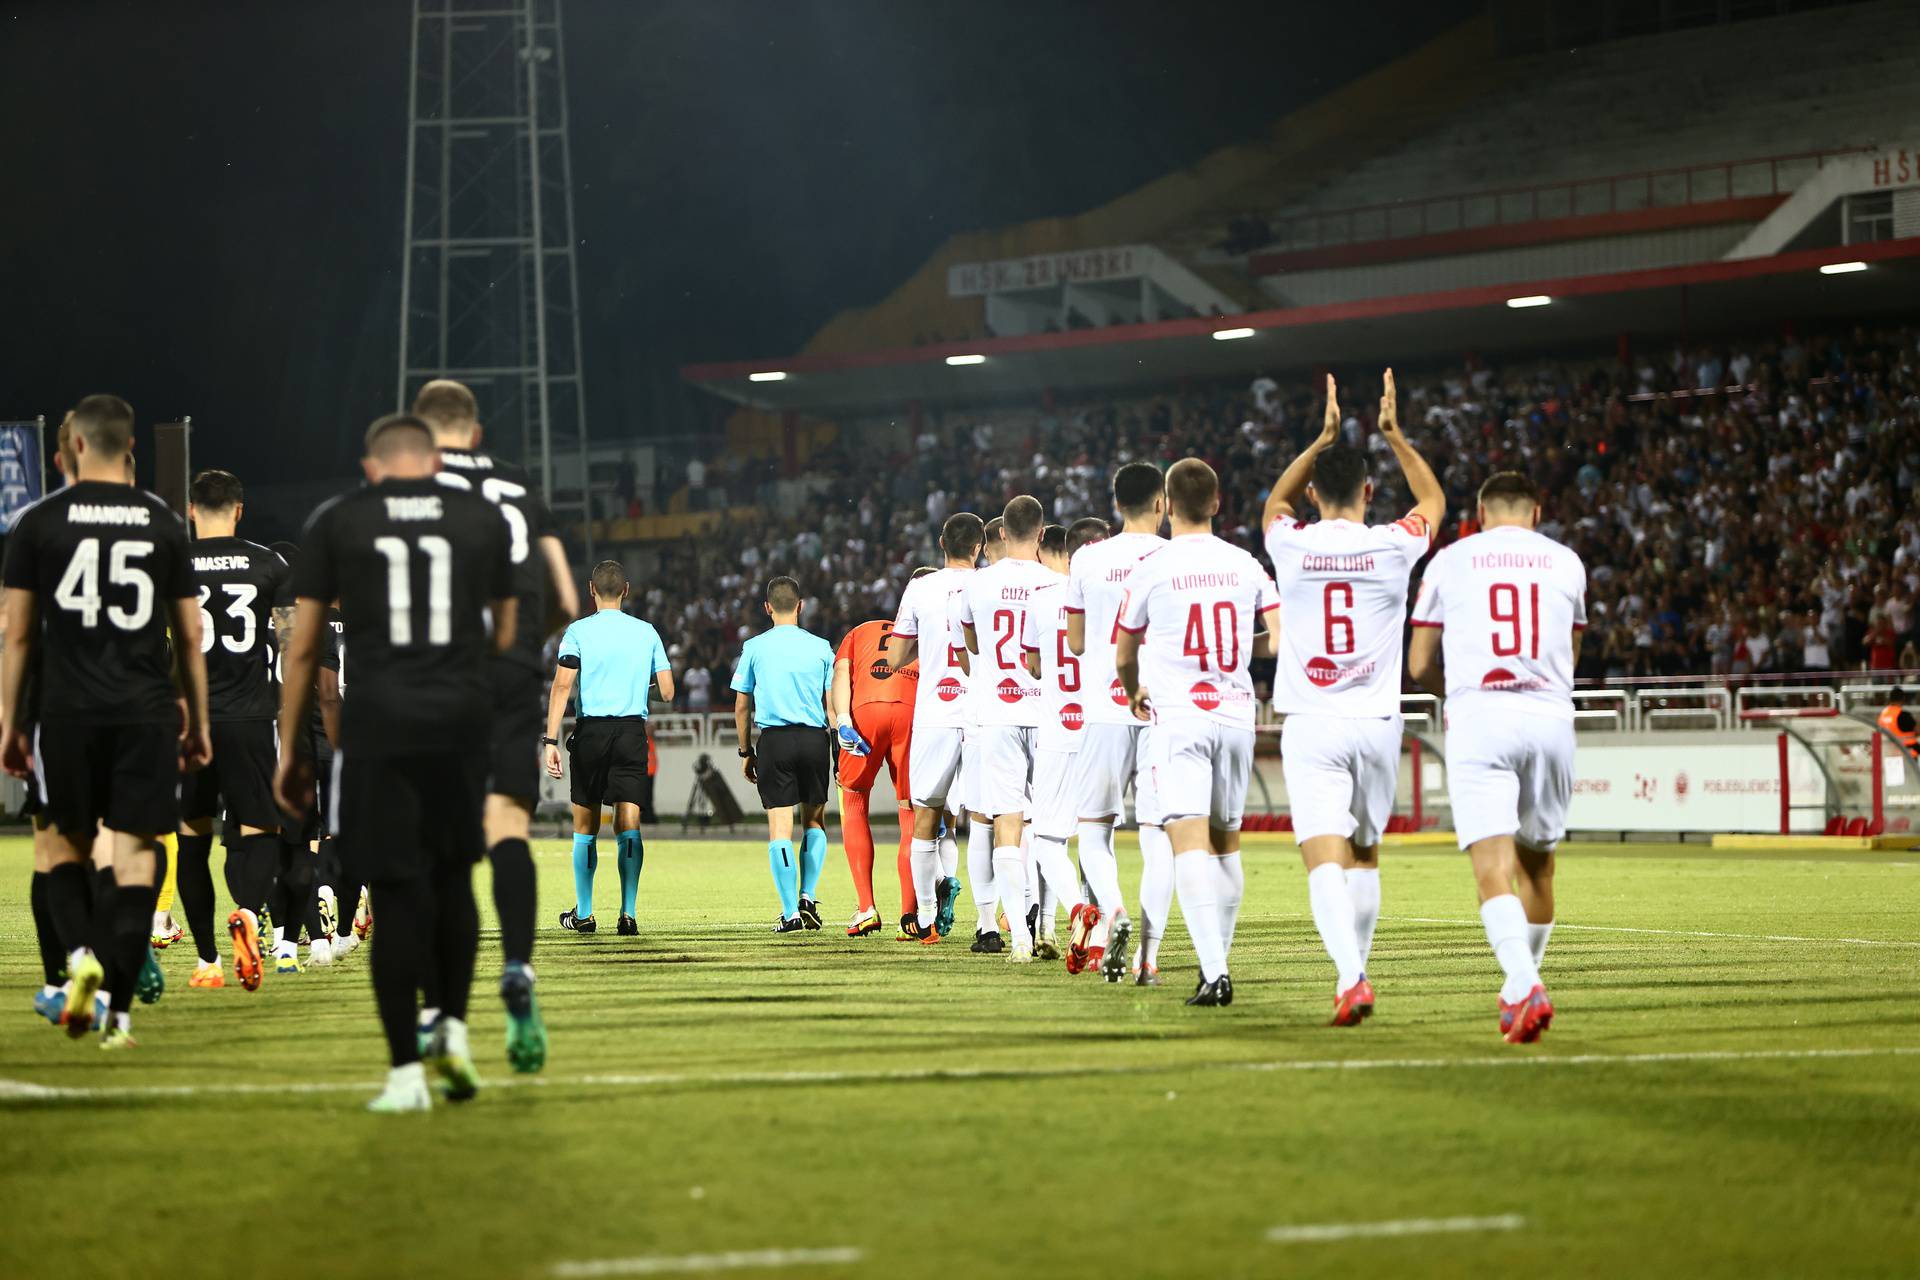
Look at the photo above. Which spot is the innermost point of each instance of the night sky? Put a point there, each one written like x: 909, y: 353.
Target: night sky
x: 202, y: 206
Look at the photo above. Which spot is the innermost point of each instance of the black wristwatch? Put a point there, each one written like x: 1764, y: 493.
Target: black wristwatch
x: 746, y: 753
x: 549, y: 742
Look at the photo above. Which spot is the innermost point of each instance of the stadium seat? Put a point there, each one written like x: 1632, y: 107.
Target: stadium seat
x: 1835, y: 825
x: 1857, y: 827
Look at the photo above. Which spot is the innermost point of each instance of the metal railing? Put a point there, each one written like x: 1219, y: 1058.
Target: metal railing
x: 1539, y: 202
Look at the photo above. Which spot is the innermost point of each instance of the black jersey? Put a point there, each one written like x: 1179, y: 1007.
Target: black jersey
x: 240, y: 583
x: 512, y: 490
x: 415, y: 566
x: 103, y: 562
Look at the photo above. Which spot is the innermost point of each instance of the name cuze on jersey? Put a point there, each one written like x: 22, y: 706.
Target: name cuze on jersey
x: 1096, y: 586
x: 926, y: 616
x: 240, y: 583
x: 994, y: 603
x: 1510, y: 600
x: 415, y: 565
x: 1193, y: 606
x: 1343, y: 607
x: 102, y: 561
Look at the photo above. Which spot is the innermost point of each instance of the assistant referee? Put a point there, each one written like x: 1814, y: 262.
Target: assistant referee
x: 617, y: 659
x: 783, y: 679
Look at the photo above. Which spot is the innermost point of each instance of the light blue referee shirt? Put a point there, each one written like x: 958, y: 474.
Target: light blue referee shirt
x: 787, y: 669
x: 617, y: 655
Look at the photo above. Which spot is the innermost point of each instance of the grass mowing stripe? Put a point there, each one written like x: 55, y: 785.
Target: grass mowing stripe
x: 1674, y: 933
x: 736, y: 1260
x: 22, y: 1091
x: 1325, y: 1232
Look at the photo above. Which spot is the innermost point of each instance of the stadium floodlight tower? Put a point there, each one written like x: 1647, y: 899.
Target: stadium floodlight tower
x: 489, y: 288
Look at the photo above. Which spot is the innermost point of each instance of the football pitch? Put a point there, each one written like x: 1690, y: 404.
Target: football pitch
x: 1731, y: 1087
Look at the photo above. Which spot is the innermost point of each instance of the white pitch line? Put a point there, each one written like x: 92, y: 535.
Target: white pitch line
x: 733, y: 1260
x: 1331, y: 1231
x: 1560, y: 926
x: 25, y: 1091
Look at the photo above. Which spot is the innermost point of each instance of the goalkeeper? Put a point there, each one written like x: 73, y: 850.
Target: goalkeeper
x: 873, y: 712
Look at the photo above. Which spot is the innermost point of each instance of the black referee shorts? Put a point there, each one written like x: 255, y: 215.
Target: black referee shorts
x: 397, y: 817
x: 239, y: 782
x: 124, y: 775
x: 607, y: 758
x: 519, y: 720
x: 794, y: 765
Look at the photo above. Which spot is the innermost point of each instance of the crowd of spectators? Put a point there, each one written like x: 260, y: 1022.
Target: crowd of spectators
x: 1741, y: 510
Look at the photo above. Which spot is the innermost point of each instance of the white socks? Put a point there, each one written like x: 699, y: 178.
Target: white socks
x: 1056, y: 868
x: 925, y: 857
x: 980, y: 872
x: 1199, y: 892
x: 1010, y: 873
x: 1233, y: 887
x: 1506, y: 923
x: 1333, y: 916
x: 949, y: 857
x: 1363, y: 886
x: 1100, y: 867
x: 1156, y: 890
x: 1537, y: 935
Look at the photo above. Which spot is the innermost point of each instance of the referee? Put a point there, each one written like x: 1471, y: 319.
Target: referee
x: 783, y: 678
x: 616, y: 658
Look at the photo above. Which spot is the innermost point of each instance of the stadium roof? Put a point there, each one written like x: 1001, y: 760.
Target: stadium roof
x: 1698, y: 299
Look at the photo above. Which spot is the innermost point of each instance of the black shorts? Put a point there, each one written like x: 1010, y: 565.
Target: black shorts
x: 519, y: 720
x: 795, y: 766
x: 398, y: 817
x: 239, y: 782
x: 607, y: 759
x: 124, y: 775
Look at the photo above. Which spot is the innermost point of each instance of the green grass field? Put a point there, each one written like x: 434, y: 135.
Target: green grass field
x: 1731, y: 1087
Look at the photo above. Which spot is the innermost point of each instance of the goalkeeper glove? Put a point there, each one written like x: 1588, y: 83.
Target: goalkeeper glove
x: 850, y: 739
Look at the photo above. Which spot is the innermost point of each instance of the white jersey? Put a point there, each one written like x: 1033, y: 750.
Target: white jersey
x: 926, y: 616
x: 1343, y: 604
x: 1193, y: 605
x: 993, y: 601
x: 1062, y: 709
x: 1096, y: 584
x: 1510, y: 600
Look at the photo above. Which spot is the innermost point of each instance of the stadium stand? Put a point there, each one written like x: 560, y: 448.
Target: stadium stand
x: 1797, y: 85
x: 1672, y: 475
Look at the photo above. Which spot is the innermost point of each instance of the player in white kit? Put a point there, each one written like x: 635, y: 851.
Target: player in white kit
x: 1343, y: 602
x: 992, y: 608
x: 1189, y: 621
x: 1504, y: 609
x: 1062, y: 721
x: 1109, y: 756
x: 924, y: 626
x: 986, y: 935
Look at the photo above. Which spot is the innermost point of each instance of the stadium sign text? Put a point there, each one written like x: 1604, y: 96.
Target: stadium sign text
x: 1048, y: 270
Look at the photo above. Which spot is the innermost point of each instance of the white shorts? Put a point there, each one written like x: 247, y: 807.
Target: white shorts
x: 1509, y: 773
x: 1200, y: 769
x: 1341, y: 774
x: 1054, y: 812
x: 1147, y: 809
x: 1003, y: 769
x: 933, y: 766
x: 1108, y: 756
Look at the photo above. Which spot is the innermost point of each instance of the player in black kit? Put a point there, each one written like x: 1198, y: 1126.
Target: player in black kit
x: 239, y: 583
x: 419, y: 569
x: 544, y: 587
x: 96, y: 575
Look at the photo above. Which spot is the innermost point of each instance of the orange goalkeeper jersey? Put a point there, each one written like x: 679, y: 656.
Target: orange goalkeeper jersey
x: 865, y: 650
